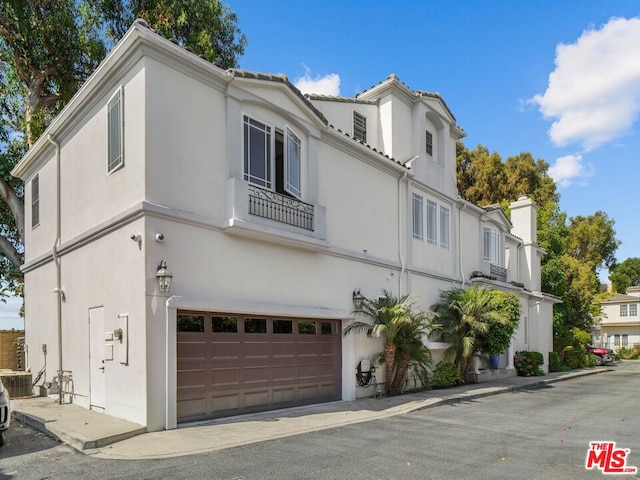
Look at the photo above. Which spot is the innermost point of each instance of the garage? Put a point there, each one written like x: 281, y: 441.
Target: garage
x: 230, y: 364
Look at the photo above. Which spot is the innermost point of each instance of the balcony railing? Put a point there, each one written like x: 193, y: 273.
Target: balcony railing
x: 499, y: 272
x: 271, y: 205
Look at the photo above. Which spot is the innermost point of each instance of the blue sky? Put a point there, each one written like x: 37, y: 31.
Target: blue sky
x: 559, y: 79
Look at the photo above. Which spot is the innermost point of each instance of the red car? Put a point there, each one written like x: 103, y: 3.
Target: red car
x: 603, y: 355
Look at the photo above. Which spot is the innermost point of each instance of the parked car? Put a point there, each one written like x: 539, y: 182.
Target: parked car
x: 5, y: 413
x: 603, y: 355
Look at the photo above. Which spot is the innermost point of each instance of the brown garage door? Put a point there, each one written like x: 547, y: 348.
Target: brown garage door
x: 232, y: 364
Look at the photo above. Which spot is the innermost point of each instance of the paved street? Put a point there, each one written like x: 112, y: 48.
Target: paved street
x: 529, y: 434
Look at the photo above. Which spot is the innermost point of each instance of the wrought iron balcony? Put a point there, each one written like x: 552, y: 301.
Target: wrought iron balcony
x: 274, y: 206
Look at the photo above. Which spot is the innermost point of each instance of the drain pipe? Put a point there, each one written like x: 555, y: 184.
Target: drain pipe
x: 56, y: 261
x: 460, y: 209
x: 400, y: 239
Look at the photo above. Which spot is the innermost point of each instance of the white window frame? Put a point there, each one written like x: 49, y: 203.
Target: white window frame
x: 491, y: 245
x: 268, y: 145
x: 359, y: 127
x: 432, y: 222
x: 115, y: 148
x: 633, y: 310
x: 417, y: 215
x: 293, y: 173
x: 624, y: 310
x: 444, y: 227
x: 35, y: 201
x: 292, y: 165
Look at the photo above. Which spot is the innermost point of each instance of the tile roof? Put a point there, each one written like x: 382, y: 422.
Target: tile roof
x: 621, y: 297
x: 416, y: 93
x: 281, y: 78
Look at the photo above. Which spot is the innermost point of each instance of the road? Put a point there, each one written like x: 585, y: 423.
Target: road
x: 530, y: 434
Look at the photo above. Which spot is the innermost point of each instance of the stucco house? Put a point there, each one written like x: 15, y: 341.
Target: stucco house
x: 195, y: 236
x: 620, y: 322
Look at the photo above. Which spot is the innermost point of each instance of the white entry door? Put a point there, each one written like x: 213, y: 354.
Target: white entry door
x: 96, y: 354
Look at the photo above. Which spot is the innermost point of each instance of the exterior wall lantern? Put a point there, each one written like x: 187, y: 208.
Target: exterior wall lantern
x: 358, y: 299
x: 164, y: 277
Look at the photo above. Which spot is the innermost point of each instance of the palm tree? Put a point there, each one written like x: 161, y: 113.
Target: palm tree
x: 402, y: 326
x: 463, y: 318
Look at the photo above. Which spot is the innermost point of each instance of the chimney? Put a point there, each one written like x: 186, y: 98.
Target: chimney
x: 523, y: 219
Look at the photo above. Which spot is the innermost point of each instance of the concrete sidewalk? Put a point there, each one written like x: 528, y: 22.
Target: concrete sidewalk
x: 108, y: 437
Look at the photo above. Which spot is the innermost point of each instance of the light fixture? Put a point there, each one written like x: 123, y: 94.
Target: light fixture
x: 164, y: 277
x: 358, y: 299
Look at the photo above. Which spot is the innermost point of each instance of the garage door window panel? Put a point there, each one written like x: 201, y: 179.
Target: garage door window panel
x: 190, y: 323
x: 255, y: 325
x: 224, y: 324
x: 282, y: 326
x: 306, y: 328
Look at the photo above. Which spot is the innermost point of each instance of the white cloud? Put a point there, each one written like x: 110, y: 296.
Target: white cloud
x: 569, y: 169
x: 593, y: 94
x: 326, y: 85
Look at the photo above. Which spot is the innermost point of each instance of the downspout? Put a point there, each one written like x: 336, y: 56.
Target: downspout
x: 56, y: 261
x: 460, y: 209
x: 400, y: 239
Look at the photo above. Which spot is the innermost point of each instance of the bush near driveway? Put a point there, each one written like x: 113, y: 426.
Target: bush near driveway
x: 528, y: 364
x: 446, y: 375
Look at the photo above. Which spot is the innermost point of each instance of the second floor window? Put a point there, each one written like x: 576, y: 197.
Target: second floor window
x: 360, y: 127
x: 633, y: 310
x: 417, y: 214
x: 491, y: 245
x: 268, y: 151
x: 444, y: 227
x: 432, y: 222
x: 257, y: 153
x: 35, y: 201
x: 623, y: 310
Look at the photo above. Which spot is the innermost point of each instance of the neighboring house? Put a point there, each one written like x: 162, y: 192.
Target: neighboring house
x: 620, y: 321
x: 270, y: 209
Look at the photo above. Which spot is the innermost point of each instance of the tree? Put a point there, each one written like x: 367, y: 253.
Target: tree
x: 402, y: 325
x: 206, y: 27
x: 484, y: 179
x: 480, y: 175
x: 625, y: 274
x: 592, y: 240
x: 48, y: 48
x: 463, y: 319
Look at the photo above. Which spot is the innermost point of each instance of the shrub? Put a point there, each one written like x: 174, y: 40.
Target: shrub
x: 555, y: 365
x: 578, y: 358
x: 628, y: 353
x: 446, y: 375
x: 528, y: 364
x: 589, y: 360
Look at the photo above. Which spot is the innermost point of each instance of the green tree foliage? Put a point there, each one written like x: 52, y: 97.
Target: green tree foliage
x: 206, y: 27
x: 499, y: 335
x: 48, y: 48
x: 484, y: 179
x: 402, y: 325
x: 625, y: 274
x: 592, y: 240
